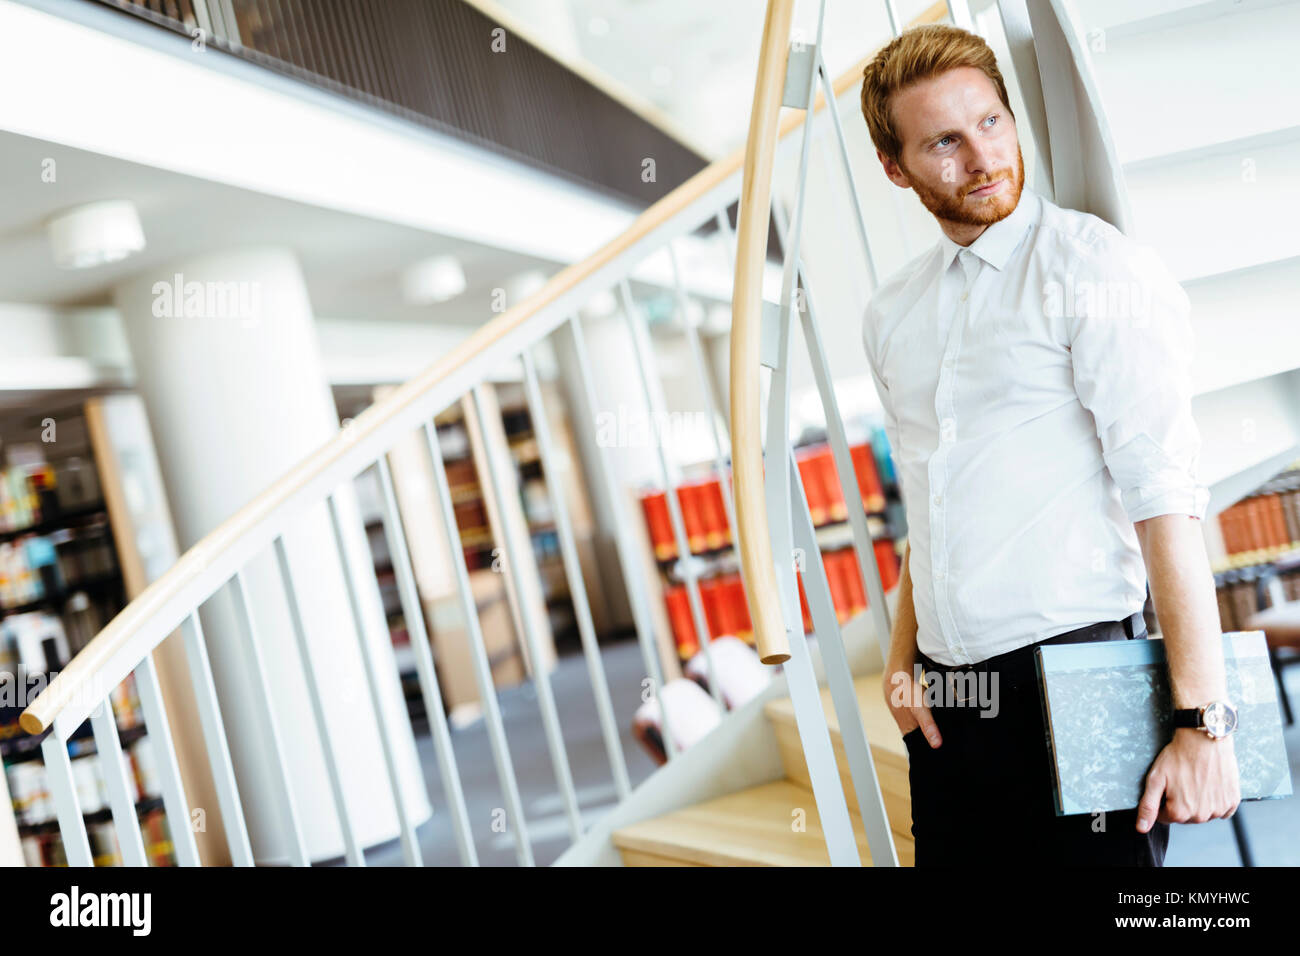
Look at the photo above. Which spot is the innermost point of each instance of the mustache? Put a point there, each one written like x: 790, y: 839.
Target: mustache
x: 988, y: 182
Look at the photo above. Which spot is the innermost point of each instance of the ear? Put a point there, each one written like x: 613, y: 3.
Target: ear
x: 894, y: 171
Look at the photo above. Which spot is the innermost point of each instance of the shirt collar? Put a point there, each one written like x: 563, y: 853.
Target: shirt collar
x: 996, y: 243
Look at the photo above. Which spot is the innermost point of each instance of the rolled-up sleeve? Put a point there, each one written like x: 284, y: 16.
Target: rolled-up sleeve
x: 1131, y: 346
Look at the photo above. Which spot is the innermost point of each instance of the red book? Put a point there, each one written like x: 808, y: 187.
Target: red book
x: 803, y: 605
x: 659, y: 524
x: 739, y: 608
x: 887, y: 561
x: 834, y: 564
x: 864, y: 465
x: 711, y: 597
x: 857, y: 591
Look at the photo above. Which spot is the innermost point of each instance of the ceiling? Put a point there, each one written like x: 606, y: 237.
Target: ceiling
x: 351, y: 263
x: 695, y: 61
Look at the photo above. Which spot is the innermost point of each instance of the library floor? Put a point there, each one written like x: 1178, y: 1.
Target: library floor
x: 1272, y: 826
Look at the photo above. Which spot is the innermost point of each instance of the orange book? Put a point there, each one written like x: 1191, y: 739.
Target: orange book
x: 1228, y: 528
x: 659, y: 524
x: 864, y: 465
x: 693, y: 517
x: 716, y: 531
x: 1255, y: 522
x: 831, y: 485
x: 679, y: 618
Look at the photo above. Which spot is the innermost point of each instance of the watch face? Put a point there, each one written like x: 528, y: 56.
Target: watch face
x: 1220, y: 719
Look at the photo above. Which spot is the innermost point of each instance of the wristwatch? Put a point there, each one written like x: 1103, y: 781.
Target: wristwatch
x: 1218, y: 718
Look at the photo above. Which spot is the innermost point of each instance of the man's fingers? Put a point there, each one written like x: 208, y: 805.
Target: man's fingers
x: 928, y: 726
x: 1149, y: 805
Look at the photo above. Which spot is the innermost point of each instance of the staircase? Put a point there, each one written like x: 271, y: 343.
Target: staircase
x: 776, y: 823
x: 823, y: 780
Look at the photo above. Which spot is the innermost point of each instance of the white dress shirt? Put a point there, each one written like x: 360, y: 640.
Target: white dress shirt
x: 1037, y: 394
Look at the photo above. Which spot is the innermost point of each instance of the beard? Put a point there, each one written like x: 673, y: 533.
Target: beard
x: 946, y: 206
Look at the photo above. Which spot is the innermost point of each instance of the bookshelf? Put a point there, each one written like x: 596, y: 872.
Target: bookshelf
x: 710, y: 541
x: 61, y: 581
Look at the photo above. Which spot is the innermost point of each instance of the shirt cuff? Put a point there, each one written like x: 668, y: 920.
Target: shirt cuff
x: 1143, y: 503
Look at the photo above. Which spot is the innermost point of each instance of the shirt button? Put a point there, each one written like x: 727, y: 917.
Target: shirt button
x: 965, y: 296
x: 938, y: 575
x: 947, y: 363
x: 938, y: 499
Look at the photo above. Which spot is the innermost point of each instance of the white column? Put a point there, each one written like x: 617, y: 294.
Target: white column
x: 229, y: 367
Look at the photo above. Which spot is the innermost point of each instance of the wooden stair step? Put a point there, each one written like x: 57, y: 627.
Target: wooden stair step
x: 888, y: 751
x: 754, y: 827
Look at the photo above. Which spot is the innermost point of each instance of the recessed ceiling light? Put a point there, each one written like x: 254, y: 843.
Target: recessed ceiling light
x: 433, y: 280
x: 95, y: 234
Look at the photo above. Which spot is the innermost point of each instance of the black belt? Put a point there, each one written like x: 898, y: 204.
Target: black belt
x: 1017, y: 667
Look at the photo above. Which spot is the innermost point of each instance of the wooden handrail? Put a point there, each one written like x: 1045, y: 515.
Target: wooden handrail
x: 752, y: 532
x: 746, y: 331
x: 178, y: 584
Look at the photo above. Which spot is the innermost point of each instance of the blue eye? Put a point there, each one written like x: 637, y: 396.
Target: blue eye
x: 942, y: 141
x: 992, y: 119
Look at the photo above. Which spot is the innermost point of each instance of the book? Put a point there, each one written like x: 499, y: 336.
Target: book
x: 1108, y: 713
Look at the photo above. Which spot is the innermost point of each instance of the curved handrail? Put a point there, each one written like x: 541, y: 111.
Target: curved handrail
x: 746, y: 330
x: 162, y: 606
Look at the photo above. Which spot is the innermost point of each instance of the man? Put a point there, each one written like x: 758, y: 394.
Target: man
x: 1033, y: 368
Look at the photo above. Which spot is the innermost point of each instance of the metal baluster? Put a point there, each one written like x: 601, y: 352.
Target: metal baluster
x: 863, y: 544
x: 959, y: 14
x: 835, y: 663
x: 627, y: 549
x: 214, y: 739
x: 262, y: 693
x: 478, y: 655
x: 410, y: 841
x: 108, y: 746
x: 702, y: 370
x: 413, y: 612
x: 545, y: 698
x: 779, y: 497
x: 658, y: 417
x: 351, y: 848
x: 832, y: 107
x: 164, y: 754
x: 893, y: 17
x: 63, y: 789
x: 574, y: 576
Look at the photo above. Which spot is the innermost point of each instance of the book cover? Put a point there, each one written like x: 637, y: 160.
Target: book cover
x: 1109, y: 713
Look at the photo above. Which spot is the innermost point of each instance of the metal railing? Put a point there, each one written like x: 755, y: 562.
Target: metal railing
x: 217, y: 564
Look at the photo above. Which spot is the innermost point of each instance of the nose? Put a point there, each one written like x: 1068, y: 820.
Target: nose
x: 979, y: 157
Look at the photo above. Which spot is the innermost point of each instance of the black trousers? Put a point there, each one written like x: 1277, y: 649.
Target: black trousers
x: 985, y: 794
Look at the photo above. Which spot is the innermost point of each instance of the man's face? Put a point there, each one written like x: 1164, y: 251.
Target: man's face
x: 960, y: 151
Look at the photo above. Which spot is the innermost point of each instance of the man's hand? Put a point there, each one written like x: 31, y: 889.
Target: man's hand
x: 1197, y: 778
x: 905, y: 696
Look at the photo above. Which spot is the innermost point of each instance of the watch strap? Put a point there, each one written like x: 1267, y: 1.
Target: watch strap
x: 1188, y: 717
